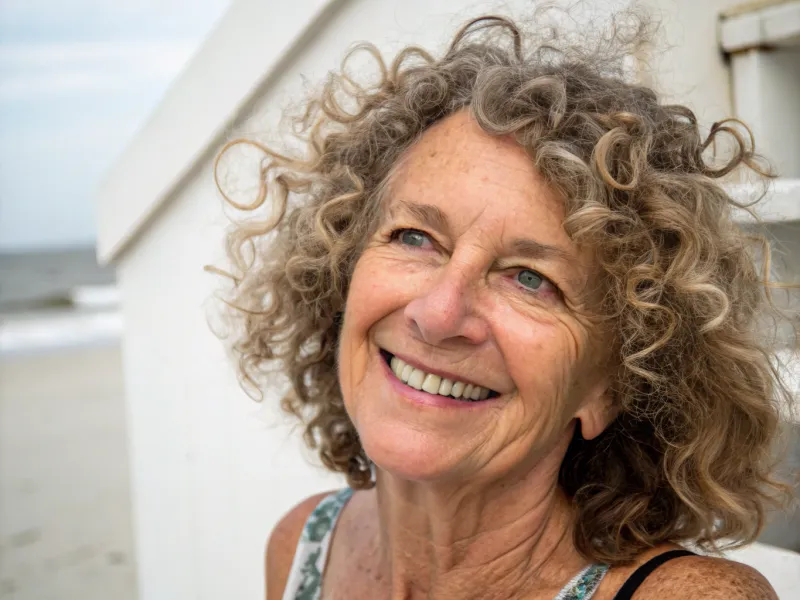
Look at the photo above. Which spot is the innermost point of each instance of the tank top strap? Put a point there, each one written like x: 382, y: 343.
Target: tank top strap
x: 639, y: 575
x: 308, y: 566
x: 584, y: 584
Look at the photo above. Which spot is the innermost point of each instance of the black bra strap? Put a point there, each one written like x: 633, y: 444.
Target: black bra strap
x: 639, y: 575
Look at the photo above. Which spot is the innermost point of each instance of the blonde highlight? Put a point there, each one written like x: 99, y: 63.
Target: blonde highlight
x: 689, y: 457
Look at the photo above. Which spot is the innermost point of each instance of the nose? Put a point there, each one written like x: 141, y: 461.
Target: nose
x: 444, y: 311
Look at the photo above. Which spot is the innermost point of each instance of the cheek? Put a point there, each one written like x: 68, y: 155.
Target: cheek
x: 543, y: 358
x: 374, y: 294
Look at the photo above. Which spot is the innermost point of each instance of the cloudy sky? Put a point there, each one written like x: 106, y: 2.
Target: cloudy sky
x: 77, y: 78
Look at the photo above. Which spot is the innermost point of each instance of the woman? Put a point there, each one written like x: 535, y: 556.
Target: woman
x: 517, y: 315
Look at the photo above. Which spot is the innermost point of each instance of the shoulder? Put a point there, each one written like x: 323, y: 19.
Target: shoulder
x: 283, y: 542
x: 705, y: 577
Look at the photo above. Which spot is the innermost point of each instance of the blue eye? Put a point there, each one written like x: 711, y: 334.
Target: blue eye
x: 412, y: 237
x: 530, y: 279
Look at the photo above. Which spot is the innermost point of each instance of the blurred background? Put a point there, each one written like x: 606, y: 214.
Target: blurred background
x: 131, y: 463
x: 77, y: 80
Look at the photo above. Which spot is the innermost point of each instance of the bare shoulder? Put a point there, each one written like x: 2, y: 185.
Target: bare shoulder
x: 282, y: 544
x: 706, y: 577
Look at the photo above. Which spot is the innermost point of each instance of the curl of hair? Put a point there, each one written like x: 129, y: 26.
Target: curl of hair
x: 689, y: 456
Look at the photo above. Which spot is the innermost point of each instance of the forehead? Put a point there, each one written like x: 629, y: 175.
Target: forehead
x: 475, y: 177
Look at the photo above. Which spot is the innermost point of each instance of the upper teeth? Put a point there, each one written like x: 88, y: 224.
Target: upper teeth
x: 433, y: 384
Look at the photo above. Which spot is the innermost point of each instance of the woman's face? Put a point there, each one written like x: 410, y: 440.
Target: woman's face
x: 470, y: 280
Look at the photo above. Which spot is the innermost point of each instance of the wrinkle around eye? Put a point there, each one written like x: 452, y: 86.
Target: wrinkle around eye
x: 527, y: 298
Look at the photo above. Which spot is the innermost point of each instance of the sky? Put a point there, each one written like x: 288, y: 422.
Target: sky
x: 77, y: 79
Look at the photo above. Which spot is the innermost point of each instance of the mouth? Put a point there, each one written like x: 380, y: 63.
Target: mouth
x: 435, y: 384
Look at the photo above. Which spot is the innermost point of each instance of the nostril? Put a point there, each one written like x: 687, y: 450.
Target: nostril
x: 442, y: 313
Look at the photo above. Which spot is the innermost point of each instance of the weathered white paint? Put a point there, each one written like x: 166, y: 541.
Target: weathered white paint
x: 764, y: 44
x: 766, y: 92
x: 212, y: 472
x: 761, y: 27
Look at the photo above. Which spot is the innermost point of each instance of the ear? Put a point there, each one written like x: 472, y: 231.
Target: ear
x: 597, y: 411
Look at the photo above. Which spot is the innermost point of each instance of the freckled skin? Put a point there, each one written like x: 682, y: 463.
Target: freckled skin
x: 466, y: 504
x: 476, y: 488
x: 449, y: 307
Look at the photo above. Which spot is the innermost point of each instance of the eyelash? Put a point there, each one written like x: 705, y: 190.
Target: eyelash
x: 395, y: 234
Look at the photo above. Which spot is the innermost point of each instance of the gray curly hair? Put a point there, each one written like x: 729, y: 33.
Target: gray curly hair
x: 689, y: 456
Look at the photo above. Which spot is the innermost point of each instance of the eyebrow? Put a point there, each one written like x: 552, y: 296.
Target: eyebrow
x: 427, y: 214
x: 432, y: 216
x: 525, y: 248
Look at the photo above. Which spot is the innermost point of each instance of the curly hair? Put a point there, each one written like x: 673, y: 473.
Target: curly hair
x: 689, y: 457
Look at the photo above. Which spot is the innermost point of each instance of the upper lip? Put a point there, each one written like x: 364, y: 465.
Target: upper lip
x: 433, y: 371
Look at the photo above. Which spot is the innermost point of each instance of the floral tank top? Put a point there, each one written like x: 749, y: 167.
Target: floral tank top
x: 305, y: 577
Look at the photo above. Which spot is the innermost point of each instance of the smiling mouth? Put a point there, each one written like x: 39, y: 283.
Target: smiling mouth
x: 434, y: 384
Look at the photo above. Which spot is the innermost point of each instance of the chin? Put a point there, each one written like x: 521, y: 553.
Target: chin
x: 409, y: 454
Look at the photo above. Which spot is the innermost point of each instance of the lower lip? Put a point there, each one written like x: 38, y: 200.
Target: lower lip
x: 424, y: 398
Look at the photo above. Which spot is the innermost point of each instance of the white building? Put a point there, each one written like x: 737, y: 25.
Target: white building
x: 212, y: 471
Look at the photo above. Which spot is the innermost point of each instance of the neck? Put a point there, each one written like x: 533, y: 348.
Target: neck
x: 498, y: 539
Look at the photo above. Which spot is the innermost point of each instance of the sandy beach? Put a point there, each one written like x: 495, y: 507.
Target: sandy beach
x: 65, y: 517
